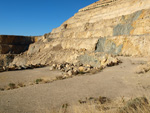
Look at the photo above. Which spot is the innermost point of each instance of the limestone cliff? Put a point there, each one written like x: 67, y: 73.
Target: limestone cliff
x: 119, y: 27
x: 11, y: 45
x: 15, y: 44
x: 120, y: 17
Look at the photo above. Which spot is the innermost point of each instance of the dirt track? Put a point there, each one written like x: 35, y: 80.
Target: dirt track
x: 113, y: 82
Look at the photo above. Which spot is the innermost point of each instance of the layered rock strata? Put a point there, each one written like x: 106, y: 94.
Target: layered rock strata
x: 11, y: 46
x: 15, y: 44
x: 118, y: 27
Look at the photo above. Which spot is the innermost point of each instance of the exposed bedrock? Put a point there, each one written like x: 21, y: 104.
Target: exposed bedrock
x: 122, y: 17
x: 71, y: 50
x: 116, y: 27
x: 11, y: 45
x: 15, y: 44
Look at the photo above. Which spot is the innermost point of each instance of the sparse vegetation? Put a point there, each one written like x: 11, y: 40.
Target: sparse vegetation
x: 38, y: 81
x: 2, y: 89
x: 12, y: 86
x: 143, y: 68
x: 104, y: 105
x: 21, y: 85
x: 137, y: 105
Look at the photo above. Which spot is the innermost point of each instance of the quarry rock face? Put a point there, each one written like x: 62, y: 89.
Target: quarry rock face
x: 11, y: 45
x: 120, y: 17
x: 15, y: 44
x: 117, y: 27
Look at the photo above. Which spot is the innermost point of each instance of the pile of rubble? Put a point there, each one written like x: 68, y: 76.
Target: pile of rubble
x: 21, y: 67
x: 70, y: 69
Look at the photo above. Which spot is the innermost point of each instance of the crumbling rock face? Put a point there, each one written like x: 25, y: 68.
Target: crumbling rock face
x: 15, y: 44
x: 10, y: 46
x: 6, y: 59
x: 116, y: 27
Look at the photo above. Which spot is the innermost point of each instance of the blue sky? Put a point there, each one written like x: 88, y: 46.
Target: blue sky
x: 36, y: 17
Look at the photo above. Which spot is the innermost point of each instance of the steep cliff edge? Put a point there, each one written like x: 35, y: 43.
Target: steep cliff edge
x: 11, y: 45
x: 15, y: 44
x: 118, y: 27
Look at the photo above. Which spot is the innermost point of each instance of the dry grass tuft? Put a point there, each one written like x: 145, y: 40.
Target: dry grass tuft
x: 21, y: 85
x: 144, y: 68
x: 137, y: 105
x: 38, y: 81
x: 12, y: 85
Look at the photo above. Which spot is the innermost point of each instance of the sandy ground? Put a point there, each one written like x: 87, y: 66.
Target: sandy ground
x: 27, y: 76
x: 113, y: 82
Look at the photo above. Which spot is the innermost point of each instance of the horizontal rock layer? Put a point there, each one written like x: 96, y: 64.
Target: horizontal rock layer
x: 15, y: 44
x: 68, y: 50
x: 121, y: 17
x: 118, y: 27
x: 13, y: 49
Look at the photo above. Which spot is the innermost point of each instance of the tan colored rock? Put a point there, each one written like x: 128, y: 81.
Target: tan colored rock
x: 15, y: 44
x: 51, y: 68
x: 118, y: 27
x: 104, y: 62
x: 70, y: 73
x: 81, y: 68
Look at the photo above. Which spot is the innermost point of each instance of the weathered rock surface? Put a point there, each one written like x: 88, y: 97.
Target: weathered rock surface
x: 85, y: 65
x: 11, y: 45
x: 5, y: 60
x: 15, y: 44
x: 118, y: 27
x: 121, y: 17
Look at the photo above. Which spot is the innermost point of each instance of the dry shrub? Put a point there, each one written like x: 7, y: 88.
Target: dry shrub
x: 143, y: 68
x: 12, y: 85
x: 137, y: 105
x: 21, y: 85
x: 38, y: 81
x: 85, y: 108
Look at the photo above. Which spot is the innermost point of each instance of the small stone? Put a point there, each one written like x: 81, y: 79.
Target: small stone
x: 70, y: 73
x: 78, y: 64
x: 24, y: 67
x: 51, y: 68
x: 58, y: 67
x: 67, y: 65
x: 63, y: 69
x: 62, y: 66
x: 64, y: 76
x: 81, y: 68
x: 4, y: 68
x: 89, y: 66
x: 54, y: 65
x: 75, y: 72
x: 104, y: 63
x: 88, y: 69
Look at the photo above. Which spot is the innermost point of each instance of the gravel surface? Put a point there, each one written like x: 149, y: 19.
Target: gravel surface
x: 112, y: 82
